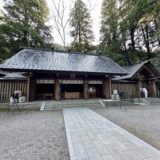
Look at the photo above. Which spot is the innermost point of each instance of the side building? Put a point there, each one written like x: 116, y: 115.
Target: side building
x: 10, y: 82
x: 141, y: 75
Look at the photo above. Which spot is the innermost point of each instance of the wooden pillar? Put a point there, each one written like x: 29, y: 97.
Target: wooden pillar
x: 152, y: 90
x: 32, y: 88
x: 85, y: 89
x: 28, y: 86
x: 139, y: 88
x: 57, y: 89
x: 107, y: 88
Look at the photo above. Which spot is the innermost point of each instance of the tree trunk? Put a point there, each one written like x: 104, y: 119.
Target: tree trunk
x: 132, y: 30
x: 146, y: 39
x: 156, y: 28
x: 126, y: 54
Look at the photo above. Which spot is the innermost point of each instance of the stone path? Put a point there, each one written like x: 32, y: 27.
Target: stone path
x: 93, y: 137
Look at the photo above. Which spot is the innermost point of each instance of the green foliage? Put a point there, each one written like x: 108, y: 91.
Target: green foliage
x: 130, y: 29
x: 81, y: 30
x: 109, y: 22
x: 110, y: 42
x: 23, y: 25
x: 156, y: 62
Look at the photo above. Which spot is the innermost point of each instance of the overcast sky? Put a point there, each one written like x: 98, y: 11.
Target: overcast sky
x: 93, y: 5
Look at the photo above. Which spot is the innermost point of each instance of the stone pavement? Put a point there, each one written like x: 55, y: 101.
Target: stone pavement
x: 93, y: 137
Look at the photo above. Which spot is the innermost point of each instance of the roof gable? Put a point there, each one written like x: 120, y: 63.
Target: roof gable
x: 36, y: 59
x: 136, y: 68
x: 12, y: 75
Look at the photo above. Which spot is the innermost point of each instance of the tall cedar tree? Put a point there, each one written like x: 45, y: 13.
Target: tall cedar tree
x: 110, y: 43
x: 23, y: 25
x: 81, y: 29
x: 139, y: 25
x: 130, y: 29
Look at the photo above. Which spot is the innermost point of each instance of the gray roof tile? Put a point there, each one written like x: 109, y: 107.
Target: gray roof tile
x: 38, y: 59
x: 132, y: 70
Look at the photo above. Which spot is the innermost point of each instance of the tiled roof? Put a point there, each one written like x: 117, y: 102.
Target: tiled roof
x: 45, y: 60
x: 133, y: 69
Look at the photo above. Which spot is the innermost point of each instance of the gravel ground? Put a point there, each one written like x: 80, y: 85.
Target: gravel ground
x: 142, y: 121
x: 33, y: 135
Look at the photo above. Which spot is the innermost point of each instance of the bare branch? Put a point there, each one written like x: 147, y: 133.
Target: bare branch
x: 90, y: 7
x: 60, y: 20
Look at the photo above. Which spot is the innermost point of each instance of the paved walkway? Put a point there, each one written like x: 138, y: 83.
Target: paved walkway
x: 93, y: 137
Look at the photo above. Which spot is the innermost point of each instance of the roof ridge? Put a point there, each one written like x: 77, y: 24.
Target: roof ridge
x: 141, y: 62
x: 63, y: 51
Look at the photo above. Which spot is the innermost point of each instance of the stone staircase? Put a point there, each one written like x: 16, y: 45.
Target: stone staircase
x: 153, y: 101
x: 50, y: 105
x: 146, y: 101
x: 131, y: 102
x: 118, y: 103
x: 53, y: 105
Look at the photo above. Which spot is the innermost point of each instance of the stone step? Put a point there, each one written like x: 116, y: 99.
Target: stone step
x: 54, y: 108
x: 75, y: 103
x: 146, y: 101
x: 71, y: 104
x: 153, y: 100
x: 114, y: 103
